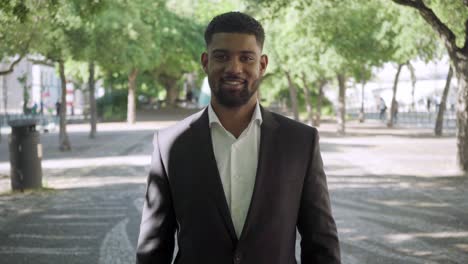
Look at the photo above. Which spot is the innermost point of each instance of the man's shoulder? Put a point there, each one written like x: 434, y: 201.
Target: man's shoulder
x: 292, y: 126
x: 179, y: 127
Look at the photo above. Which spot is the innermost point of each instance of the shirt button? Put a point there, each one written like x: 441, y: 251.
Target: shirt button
x: 237, y: 258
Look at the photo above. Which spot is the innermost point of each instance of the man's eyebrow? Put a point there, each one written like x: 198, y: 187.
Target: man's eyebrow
x: 227, y: 51
x: 248, y: 52
x: 219, y: 50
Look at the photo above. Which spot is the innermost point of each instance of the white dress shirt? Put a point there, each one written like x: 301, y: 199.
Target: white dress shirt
x: 237, y: 163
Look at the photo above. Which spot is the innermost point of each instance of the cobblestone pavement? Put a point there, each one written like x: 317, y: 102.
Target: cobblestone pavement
x: 396, y: 196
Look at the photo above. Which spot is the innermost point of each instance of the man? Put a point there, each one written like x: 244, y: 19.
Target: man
x: 235, y: 180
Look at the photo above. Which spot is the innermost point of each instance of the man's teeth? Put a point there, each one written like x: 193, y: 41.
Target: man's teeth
x: 233, y: 82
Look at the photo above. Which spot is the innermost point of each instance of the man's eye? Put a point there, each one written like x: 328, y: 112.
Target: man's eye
x: 247, y: 58
x: 220, y: 57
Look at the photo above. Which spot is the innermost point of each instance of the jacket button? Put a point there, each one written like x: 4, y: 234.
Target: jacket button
x: 237, y: 258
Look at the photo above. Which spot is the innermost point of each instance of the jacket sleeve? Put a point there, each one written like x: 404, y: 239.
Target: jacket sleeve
x: 319, y: 242
x: 158, y: 223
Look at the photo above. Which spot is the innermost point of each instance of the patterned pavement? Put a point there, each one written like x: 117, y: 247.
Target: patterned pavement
x: 396, y: 195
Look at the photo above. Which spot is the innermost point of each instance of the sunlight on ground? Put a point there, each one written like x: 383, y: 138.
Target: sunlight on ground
x: 122, y: 126
x: 463, y: 247
x: 78, y: 182
x: 399, y: 238
x: 409, y: 203
x: 419, y: 253
x: 71, y: 163
x: 106, y: 127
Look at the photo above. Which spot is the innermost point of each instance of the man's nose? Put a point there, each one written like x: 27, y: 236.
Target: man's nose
x: 234, y: 66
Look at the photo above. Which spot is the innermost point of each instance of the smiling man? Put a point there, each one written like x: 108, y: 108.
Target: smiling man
x: 234, y: 181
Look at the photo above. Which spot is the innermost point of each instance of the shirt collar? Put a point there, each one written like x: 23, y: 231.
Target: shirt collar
x: 256, y: 116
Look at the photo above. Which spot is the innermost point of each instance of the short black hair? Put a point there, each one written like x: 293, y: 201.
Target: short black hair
x: 235, y: 22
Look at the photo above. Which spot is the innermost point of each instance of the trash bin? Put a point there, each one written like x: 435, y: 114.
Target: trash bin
x: 25, y: 155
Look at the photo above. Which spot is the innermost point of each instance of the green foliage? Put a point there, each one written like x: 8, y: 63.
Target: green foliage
x: 412, y: 36
x: 164, y: 39
x: 112, y: 106
x: 303, y: 41
x: 321, y: 38
x: 453, y: 14
x: 203, y: 11
x: 20, y: 26
x: 180, y: 43
x: 122, y: 35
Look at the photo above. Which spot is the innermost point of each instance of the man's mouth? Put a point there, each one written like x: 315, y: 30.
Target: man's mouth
x: 233, y: 84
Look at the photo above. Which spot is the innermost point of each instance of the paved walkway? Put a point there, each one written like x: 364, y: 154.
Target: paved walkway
x: 396, y: 195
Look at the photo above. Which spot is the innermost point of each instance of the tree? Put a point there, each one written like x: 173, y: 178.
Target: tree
x: 24, y: 83
x: 308, y: 67
x: 54, y: 46
x: 175, y: 60
x: 412, y: 39
x: 443, y: 104
x: 38, y: 27
x: 454, y: 34
x: 357, y: 39
x: 81, y: 73
x: 83, y: 41
x: 125, y: 42
x: 18, y: 30
x: 413, y: 83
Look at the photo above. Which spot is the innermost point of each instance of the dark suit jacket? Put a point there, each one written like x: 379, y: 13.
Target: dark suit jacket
x: 185, y: 194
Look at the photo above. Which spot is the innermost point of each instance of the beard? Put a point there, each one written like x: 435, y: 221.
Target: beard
x: 233, y: 99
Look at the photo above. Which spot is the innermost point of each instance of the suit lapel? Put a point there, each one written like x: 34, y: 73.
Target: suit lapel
x: 265, y: 162
x: 205, y: 160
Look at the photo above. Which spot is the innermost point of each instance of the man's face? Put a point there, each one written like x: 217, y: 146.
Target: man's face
x: 234, y: 65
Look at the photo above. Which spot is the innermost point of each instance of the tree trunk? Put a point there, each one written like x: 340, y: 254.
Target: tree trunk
x: 25, y: 96
x: 459, y: 58
x: 5, y: 101
x: 92, y: 100
x: 308, y: 98
x: 171, y: 93
x: 393, y: 106
x: 443, y: 103
x: 293, y: 96
x: 131, y: 106
x: 413, y: 84
x: 361, y: 113
x: 5, y: 96
x: 318, y: 111
x: 341, y: 110
x: 462, y: 115
x: 63, y: 135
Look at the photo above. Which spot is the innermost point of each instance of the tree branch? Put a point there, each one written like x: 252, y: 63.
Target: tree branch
x: 43, y: 62
x: 431, y: 18
x: 12, y: 66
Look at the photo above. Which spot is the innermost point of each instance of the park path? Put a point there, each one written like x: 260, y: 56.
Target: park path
x: 396, y: 196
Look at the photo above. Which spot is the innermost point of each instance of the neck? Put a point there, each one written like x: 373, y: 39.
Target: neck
x: 235, y: 119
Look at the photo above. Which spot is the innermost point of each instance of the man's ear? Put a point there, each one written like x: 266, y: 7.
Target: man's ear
x: 263, y: 63
x: 204, y: 61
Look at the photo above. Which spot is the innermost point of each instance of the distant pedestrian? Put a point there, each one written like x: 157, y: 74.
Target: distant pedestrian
x: 436, y: 103
x: 383, y: 109
x: 189, y: 96
x: 395, y: 111
x: 57, y: 108
x: 34, y: 109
